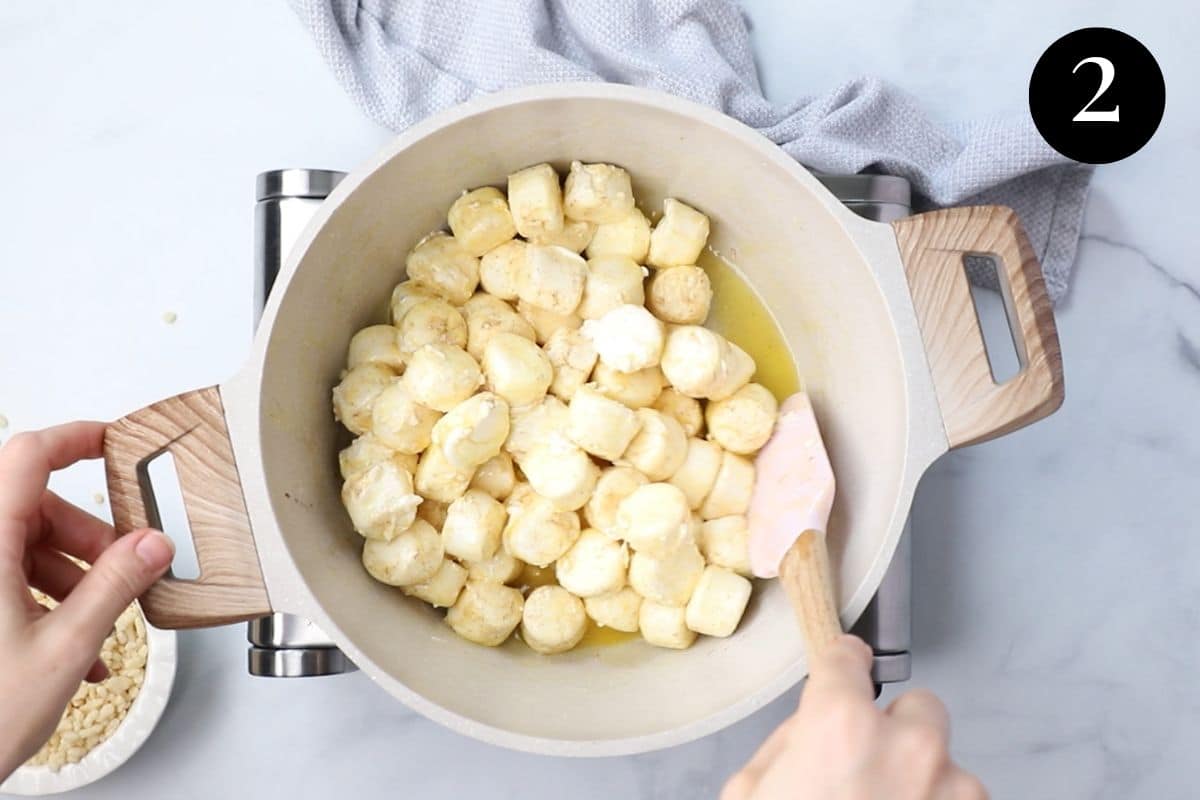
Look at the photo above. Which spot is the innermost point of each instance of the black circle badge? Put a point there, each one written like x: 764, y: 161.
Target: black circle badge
x: 1097, y: 95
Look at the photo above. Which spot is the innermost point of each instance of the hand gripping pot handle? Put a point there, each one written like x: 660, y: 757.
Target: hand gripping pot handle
x: 974, y: 407
x: 191, y: 427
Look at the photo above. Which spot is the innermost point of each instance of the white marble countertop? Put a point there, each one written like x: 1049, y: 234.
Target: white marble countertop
x: 1056, y: 586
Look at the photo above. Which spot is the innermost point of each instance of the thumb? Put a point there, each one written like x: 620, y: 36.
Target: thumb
x: 842, y: 671
x: 123, y: 571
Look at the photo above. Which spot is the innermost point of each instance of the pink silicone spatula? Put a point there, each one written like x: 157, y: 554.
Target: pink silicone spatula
x: 789, y: 511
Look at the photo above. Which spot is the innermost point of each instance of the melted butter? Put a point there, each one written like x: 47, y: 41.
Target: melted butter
x: 740, y: 315
x: 532, y: 577
x: 600, y: 636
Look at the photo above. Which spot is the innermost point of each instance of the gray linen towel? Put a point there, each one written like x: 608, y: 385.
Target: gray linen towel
x: 402, y: 60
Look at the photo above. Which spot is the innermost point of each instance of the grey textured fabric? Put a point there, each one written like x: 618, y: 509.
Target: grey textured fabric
x: 404, y: 60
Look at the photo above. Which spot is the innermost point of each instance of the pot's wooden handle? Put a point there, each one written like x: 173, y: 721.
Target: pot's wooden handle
x: 808, y: 581
x: 974, y: 407
x: 191, y: 426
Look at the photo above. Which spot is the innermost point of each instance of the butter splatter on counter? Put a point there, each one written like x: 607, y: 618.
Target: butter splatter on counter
x: 3, y: 422
x: 169, y: 317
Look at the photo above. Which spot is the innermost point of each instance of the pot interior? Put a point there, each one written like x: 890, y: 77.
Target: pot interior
x: 775, y: 223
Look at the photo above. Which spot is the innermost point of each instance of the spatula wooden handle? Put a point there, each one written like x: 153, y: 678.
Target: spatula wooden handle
x: 808, y: 581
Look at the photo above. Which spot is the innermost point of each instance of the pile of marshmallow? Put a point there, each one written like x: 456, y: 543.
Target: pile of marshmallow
x: 530, y: 406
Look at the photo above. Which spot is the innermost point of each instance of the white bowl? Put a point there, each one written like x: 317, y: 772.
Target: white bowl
x: 114, y: 751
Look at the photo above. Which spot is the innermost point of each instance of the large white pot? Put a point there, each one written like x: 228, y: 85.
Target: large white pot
x: 879, y: 318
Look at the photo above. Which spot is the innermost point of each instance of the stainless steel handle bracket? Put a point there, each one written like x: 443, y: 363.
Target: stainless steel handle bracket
x: 298, y: 662
x: 282, y: 645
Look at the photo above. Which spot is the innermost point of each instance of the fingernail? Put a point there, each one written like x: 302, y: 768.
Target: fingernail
x: 155, y: 550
